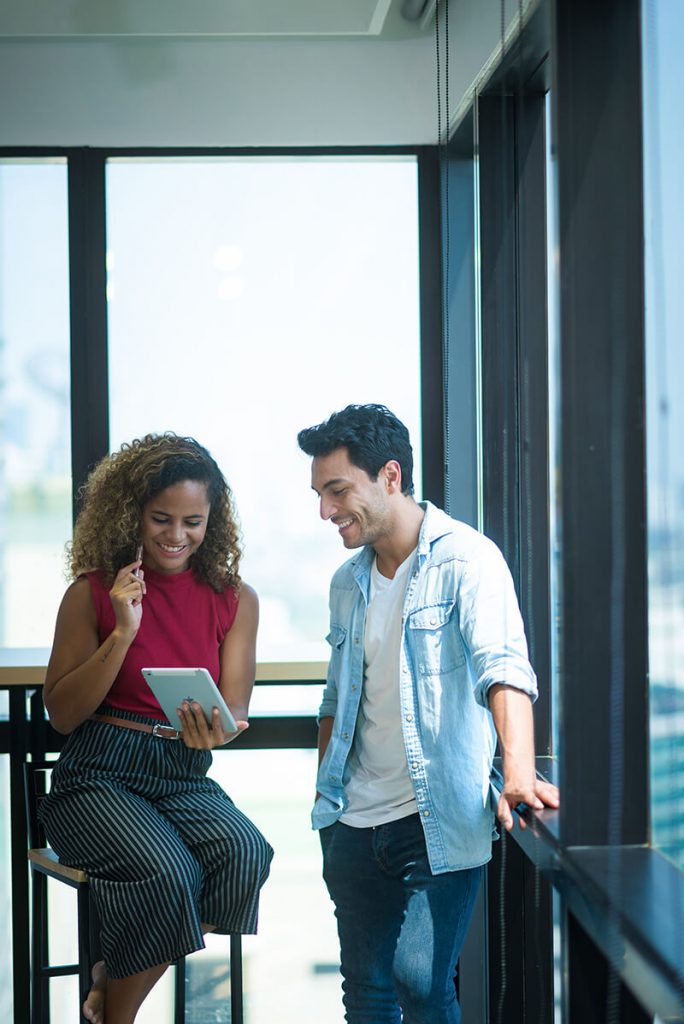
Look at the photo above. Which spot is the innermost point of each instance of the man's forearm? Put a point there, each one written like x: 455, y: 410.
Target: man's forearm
x: 512, y: 713
x: 325, y: 727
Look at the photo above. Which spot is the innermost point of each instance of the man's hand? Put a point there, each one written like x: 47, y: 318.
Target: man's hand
x: 537, y: 794
x: 512, y: 713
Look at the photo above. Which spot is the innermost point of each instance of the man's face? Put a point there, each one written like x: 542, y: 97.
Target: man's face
x: 357, y: 505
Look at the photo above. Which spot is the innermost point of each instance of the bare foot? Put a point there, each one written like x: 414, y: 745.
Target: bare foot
x: 93, y: 1008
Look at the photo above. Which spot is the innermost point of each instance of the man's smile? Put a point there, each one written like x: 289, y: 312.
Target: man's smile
x: 342, y: 524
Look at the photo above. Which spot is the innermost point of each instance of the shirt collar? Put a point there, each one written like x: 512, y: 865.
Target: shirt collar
x: 436, y: 524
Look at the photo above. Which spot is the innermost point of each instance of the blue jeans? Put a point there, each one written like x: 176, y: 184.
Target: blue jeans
x: 401, y: 928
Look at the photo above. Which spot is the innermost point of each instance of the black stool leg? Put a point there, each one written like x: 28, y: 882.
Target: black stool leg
x: 94, y: 936
x: 40, y: 993
x: 84, y: 964
x: 236, y: 1012
x: 179, y: 992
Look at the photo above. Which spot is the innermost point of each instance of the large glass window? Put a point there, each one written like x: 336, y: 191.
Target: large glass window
x: 248, y: 299
x: 553, y: 329
x: 664, y: 221
x: 291, y: 968
x: 35, y: 465
x: 35, y: 468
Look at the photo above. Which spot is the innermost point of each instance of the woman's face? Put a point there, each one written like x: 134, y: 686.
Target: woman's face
x: 174, y: 523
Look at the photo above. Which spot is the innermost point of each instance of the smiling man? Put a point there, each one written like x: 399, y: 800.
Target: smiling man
x: 428, y: 665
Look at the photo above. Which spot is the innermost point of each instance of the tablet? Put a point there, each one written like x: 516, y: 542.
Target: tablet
x: 171, y: 686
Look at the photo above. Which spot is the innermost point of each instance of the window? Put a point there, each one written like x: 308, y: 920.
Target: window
x: 249, y: 298
x: 664, y: 224
x: 246, y: 298
x: 35, y: 473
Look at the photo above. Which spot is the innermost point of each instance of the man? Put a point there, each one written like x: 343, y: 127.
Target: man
x: 428, y: 665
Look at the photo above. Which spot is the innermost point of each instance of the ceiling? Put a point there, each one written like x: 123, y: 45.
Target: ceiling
x: 84, y: 19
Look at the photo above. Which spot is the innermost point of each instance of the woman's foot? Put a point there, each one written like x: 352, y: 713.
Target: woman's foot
x: 93, y: 1008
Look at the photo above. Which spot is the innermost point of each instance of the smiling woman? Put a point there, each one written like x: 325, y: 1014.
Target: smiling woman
x: 174, y: 523
x: 188, y: 861
x: 165, y: 487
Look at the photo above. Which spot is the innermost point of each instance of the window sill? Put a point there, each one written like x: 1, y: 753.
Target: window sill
x: 629, y: 899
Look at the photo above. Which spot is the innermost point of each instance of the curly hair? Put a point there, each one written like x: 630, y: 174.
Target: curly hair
x: 121, y: 484
x: 372, y: 436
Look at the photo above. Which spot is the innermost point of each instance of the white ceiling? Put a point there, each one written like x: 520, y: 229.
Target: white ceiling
x: 63, y: 19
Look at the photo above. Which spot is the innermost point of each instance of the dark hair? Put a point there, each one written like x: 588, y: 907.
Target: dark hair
x: 116, y: 492
x: 372, y: 436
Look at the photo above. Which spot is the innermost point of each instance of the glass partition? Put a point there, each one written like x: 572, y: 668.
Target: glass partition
x: 291, y: 968
x: 555, y: 412
x: 663, y: 75
x: 35, y: 466
x: 249, y: 298
x: 35, y: 423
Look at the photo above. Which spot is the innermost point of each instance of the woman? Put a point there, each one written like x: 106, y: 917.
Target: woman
x: 155, y: 566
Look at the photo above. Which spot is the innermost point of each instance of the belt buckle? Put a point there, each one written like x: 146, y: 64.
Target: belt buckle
x: 157, y: 731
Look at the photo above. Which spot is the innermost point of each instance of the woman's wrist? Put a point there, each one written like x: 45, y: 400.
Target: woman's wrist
x: 124, y: 635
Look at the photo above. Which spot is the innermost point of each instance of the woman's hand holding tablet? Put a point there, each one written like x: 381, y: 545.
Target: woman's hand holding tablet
x: 174, y: 687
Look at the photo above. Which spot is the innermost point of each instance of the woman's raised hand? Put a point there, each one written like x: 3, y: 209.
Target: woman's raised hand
x: 126, y: 596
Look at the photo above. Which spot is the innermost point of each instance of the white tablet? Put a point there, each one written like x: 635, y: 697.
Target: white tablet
x: 172, y: 686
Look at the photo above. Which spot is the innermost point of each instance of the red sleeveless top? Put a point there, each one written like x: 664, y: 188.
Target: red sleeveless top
x: 183, y: 625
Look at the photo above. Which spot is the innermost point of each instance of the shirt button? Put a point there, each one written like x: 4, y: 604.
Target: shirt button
x: 345, y: 735
x: 414, y: 764
x: 426, y: 814
x: 356, y: 641
x: 354, y: 686
x: 333, y: 778
x: 433, y: 622
x: 409, y: 718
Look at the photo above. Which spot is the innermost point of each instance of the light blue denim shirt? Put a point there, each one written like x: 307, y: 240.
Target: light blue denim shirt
x: 462, y: 632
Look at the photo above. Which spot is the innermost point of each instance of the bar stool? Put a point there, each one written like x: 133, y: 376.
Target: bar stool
x: 45, y: 864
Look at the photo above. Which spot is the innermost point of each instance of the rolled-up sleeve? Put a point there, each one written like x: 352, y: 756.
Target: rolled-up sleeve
x: 329, y: 699
x: 491, y: 625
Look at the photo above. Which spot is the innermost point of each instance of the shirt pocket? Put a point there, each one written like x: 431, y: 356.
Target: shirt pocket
x: 336, y: 638
x: 435, y: 639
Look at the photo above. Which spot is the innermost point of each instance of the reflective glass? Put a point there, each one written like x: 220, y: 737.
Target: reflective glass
x: 664, y: 228
x: 35, y: 467
x: 553, y: 333
x: 248, y: 299
x: 286, y: 700
x: 35, y: 425
x: 291, y: 968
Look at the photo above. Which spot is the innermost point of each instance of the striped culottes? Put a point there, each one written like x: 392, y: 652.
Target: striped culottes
x: 165, y: 849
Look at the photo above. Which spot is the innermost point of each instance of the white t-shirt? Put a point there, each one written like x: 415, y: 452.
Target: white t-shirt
x: 379, y: 788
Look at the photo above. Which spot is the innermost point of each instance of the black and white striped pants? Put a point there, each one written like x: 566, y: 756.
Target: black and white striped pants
x: 166, y: 850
